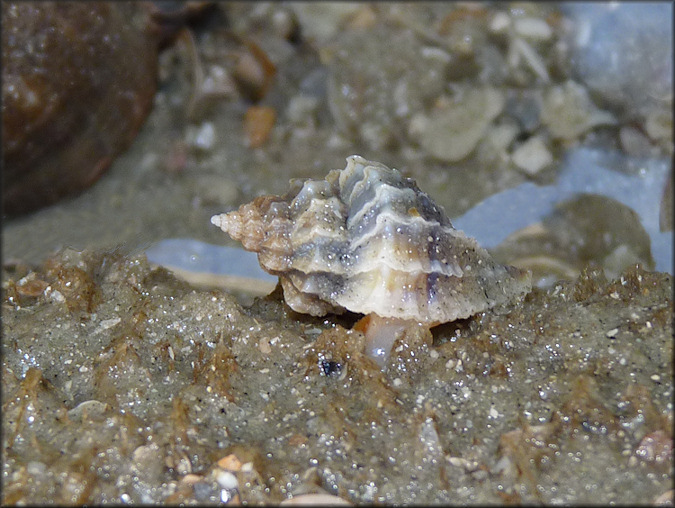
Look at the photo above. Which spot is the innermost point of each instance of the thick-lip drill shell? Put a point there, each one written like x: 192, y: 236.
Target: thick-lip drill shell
x: 368, y: 240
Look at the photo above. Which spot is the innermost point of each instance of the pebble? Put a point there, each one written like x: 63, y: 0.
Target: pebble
x: 659, y: 124
x: 568, y: 111
x: 254, y: 72
x: 36, y: 468
x: 301, y: 108
x: 320, y: 21
x: 230, y: 463
x: 533, y: 28
x: 518, y: 49
x: 452, y: 132
x: 258, y: 124
x: 500, y: 22
x: 202, y: 137
x: 202, y: 491
x: 634, y: 142
x: 501, y: 136
x: 227, y: 480
x: 532, y: 156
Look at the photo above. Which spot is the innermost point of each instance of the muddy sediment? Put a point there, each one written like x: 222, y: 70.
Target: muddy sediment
x: 122, y: 383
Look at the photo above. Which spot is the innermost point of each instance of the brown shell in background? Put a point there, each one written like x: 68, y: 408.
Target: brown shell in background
x: 78, y: 80
x: 368, y: 240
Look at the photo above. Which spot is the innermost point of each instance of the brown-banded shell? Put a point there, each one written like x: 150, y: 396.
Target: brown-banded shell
x: 368, y: 240
x: 78, y: 81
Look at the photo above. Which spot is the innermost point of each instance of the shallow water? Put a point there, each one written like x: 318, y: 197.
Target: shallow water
x: 635, y: 182
x: 584, y: 170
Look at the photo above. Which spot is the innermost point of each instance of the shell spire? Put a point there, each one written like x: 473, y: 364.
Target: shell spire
x: 368, y: 240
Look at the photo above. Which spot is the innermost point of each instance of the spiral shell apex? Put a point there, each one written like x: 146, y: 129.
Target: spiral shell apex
x: 368, y: 240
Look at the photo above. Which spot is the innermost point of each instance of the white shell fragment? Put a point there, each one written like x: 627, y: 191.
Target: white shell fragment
x: 368, y: 240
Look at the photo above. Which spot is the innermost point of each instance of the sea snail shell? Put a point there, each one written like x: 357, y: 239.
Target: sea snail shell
x: 368, y: 240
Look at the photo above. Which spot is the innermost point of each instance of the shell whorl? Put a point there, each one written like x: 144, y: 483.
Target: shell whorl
x: 367, y: 239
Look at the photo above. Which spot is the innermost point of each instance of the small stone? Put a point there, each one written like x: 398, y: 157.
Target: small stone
x: 202, y: 137
x: 634, y: 142
x: 264, y: 346
x: 301, y: 108
x: 659, y: 124
x: 453, y: 131
x: 657, y: 446
x: 533, y: 28
x: 500, y: 22
x: 254, y: 72
x: 568, y: 111
x: 230, y: 463
x: 258, y: 124
x: 146, y: 462
x: 54, y: 294
x: 532, y: 156
x: 227, y: 480
x: 191, y: 479
x: 501, y: 136
x: 480, y: 475
x: 202, y: 491
x: 36, y: 468
x: 320, y: 21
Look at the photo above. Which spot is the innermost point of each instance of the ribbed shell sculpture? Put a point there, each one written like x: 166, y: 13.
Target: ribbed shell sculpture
x: 368, y: 240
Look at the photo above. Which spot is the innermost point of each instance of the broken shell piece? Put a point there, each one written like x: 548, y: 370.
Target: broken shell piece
x: 368, y: 240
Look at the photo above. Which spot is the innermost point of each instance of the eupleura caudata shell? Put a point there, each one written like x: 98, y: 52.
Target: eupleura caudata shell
x: 368, y: 240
